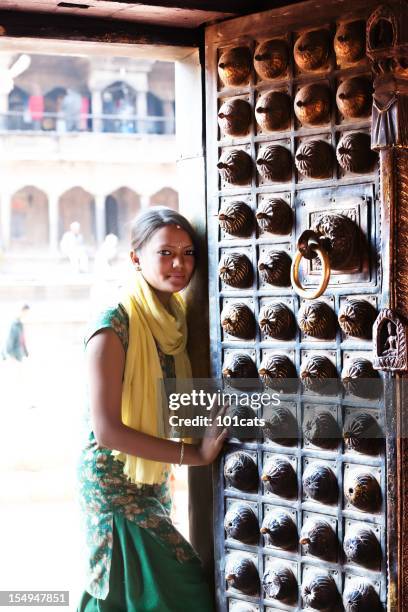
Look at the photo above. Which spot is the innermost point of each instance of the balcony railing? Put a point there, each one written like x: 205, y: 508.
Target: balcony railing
x: 23, y: 121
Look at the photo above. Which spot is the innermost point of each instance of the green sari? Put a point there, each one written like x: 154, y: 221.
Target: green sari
x: 137, y: 560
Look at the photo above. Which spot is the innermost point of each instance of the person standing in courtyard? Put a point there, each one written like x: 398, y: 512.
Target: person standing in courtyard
x: 137, y: 560
x: 15, y: 345
x: 17, y: 375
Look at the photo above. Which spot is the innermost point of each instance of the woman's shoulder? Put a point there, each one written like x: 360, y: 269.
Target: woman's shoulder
x: 113, y: 317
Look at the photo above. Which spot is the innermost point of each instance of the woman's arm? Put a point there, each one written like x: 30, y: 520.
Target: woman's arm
x: 106, y: 364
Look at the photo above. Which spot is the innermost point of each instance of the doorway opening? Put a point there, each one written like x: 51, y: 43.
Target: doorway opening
x: 89, y: 140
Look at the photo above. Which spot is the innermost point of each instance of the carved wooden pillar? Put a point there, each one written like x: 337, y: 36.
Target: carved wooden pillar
x: 387, y: 48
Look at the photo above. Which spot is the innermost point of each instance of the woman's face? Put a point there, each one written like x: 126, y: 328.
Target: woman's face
x: 167, y: 260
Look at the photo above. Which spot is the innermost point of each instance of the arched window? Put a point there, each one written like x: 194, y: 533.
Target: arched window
x: 165, y: 197
x: 76, y: 204
x: 53, y: 105
x: 119, y: 103
x: 29, y: 218
x: 66, y: 110
x: 120, y: 208
x: 155, y: 109
x: 18, y: 105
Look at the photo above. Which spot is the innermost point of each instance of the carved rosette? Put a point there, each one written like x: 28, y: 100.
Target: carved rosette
x: 318, y: 373
x: 280, y: 530
x: 320, y: 592
x: 241, y: 523
x: 275, y: 370
x: 312, y: 50
x: 239, y: 365
x: 281, y: 426
x: 235, y: 167
x: 236, y: 270
x: 359, y: 378
x: 314, y: 159
x: 340, y: 236
x: 322, y: 430
x: 360, y: 595
x: 236, y: 218
x: 277, y: 321
x: 349, y: 42
x: 273, y: 110
x: 354, y: 153
x: 271, y: 59
x: 274, y: 163
x: 234, y: 117
x: 241, y: 573
x: 319, y: 539
x: 362, y: 433
x: 241, y: 472
x: 361, y: 546
x: 274, y: 268
x: 354, y: 97
x: 279, y: 583
x: 234, y: 66
x: 320, y: 483
x: 312, y: 104
x: 363, y: 491
x: 317, y: 319
x: 238, y: 320
x: 243, y: 414
x: 356, y: 318
x: 279, y: 477
x: 275, y: 216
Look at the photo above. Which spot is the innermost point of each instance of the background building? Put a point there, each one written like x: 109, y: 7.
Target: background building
x: 88, y: 140
x: 82, y: 139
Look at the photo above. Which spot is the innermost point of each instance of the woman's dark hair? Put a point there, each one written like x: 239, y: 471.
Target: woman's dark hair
x: 149, y: 221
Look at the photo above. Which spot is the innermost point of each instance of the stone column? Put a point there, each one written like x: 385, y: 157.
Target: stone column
x: 100, y: 217
x: 97, y: 109
x: 5, y: 210
x: 53, y: 221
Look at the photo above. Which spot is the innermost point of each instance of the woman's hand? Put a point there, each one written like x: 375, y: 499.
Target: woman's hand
x: 106, y: 362
x: 213, y: 441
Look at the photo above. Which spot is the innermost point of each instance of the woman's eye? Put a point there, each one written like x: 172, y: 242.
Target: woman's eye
x: 164, y: 252
x: 190, y: 252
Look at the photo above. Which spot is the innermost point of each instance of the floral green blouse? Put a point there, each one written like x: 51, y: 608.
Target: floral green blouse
x: 105, y: 490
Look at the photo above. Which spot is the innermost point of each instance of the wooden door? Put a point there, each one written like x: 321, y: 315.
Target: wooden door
x: 306, y: 507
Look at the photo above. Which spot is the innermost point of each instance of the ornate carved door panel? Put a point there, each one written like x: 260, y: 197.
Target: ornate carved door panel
x: 300, y: 163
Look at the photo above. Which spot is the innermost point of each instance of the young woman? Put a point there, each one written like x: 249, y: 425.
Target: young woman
x: 138, y: 561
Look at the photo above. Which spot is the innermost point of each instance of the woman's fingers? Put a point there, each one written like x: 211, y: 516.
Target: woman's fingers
x: 222, y: 436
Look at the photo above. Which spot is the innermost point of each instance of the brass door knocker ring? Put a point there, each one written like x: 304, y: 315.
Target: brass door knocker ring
x: 310, y: 247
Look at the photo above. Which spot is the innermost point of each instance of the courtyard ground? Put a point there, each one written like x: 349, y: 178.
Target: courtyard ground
x: 41, y: 412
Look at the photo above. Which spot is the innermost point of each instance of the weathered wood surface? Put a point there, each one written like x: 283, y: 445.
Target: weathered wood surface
x: 188, y: 14
x: 18, y: 24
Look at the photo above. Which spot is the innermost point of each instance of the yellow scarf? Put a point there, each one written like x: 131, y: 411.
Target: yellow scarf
x: 149, y: 323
